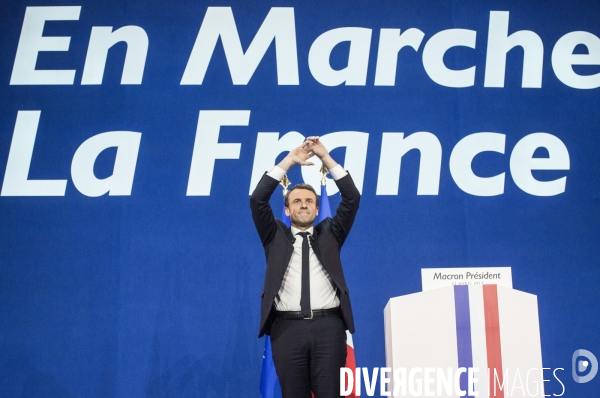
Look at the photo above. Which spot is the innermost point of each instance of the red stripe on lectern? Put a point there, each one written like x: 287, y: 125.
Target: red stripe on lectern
x: 492, y: 338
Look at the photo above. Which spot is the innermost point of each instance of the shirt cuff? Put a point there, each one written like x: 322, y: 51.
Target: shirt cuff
x: 277, y: 173
x: 337, y: 172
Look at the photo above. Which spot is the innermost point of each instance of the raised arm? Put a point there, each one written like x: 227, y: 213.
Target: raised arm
x: 317, y: 147
x: 348, y: 207
x: 346, y: 212
x: 262, y: 214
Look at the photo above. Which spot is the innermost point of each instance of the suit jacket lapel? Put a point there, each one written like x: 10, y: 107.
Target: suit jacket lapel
x: 289, y: 235
x: 315, y: 245
x: 289, y: 249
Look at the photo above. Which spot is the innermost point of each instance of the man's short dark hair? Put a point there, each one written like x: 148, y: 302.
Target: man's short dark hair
x: 308, y: 187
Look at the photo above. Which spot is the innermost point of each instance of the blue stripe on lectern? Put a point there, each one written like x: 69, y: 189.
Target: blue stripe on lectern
x: 463, y: 332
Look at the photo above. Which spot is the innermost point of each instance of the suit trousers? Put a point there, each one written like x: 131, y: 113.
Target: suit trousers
x: 308, y: 355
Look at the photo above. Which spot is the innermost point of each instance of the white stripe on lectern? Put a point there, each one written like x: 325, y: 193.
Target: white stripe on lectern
x: 478, y: 342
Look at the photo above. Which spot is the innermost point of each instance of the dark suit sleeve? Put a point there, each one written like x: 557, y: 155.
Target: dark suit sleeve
x: 262, y: 214
x: 347, y: 209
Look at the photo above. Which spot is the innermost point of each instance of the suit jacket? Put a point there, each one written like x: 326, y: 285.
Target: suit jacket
x: 277, y: 240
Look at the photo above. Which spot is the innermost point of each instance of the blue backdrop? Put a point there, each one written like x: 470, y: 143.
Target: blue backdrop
x: 154, y: 291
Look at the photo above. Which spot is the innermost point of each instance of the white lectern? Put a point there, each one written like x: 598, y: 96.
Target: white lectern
x: 485, y: 326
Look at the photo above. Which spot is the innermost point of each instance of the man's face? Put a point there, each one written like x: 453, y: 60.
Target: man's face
x: 302, y: 208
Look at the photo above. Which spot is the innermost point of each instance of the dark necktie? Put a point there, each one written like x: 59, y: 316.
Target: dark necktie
x: 305, y: 291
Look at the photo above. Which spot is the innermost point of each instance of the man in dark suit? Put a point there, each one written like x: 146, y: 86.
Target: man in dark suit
x: 305, y: 302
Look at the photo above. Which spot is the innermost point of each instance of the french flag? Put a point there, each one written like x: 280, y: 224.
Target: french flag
x: 489, y: 327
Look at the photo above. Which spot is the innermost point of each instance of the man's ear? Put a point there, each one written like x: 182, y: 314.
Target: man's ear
x: 317, y: 211
x: 287, y: 211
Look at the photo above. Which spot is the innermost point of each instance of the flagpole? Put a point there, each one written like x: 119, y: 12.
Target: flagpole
x: 285, y: 183
x: 323, y: 172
